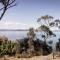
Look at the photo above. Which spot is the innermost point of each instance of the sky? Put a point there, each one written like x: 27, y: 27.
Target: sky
x: 25, y: 14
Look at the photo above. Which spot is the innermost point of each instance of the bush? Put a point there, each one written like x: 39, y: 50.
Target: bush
x: 22, y: 48
x: 6, y: 46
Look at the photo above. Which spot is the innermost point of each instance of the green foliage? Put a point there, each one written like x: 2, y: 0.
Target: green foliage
x: 23, y: 48
x: 6, y: 47
x: 45, y: 17
x: 31, y: 31
x: 44, y: 28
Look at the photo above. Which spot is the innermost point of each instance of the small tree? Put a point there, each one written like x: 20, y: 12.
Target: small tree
x: 31, y: 36
x: 45, y: 28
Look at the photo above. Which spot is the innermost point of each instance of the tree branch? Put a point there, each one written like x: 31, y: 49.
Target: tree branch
x: 11, y: 2
x: 11, y: 6
x: 7, y: 4
x: 3, y: 13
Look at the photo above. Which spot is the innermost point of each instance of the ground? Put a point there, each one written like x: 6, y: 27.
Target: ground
x: 49, y: 57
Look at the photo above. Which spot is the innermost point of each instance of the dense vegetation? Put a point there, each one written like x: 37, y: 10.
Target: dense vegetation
x: 26, y: 47
x: 22, y: 48
x: 6, y: 46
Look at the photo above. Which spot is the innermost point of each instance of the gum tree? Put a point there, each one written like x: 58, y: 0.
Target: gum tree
x: 45, y: 28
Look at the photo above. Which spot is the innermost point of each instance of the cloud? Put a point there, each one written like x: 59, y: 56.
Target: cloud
x: 15, y: 25
x: 11, y: 25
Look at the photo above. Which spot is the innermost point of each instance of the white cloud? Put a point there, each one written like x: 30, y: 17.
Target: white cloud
x: 18, y: 25
x: 15, y: 25
x: 10, y: 25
